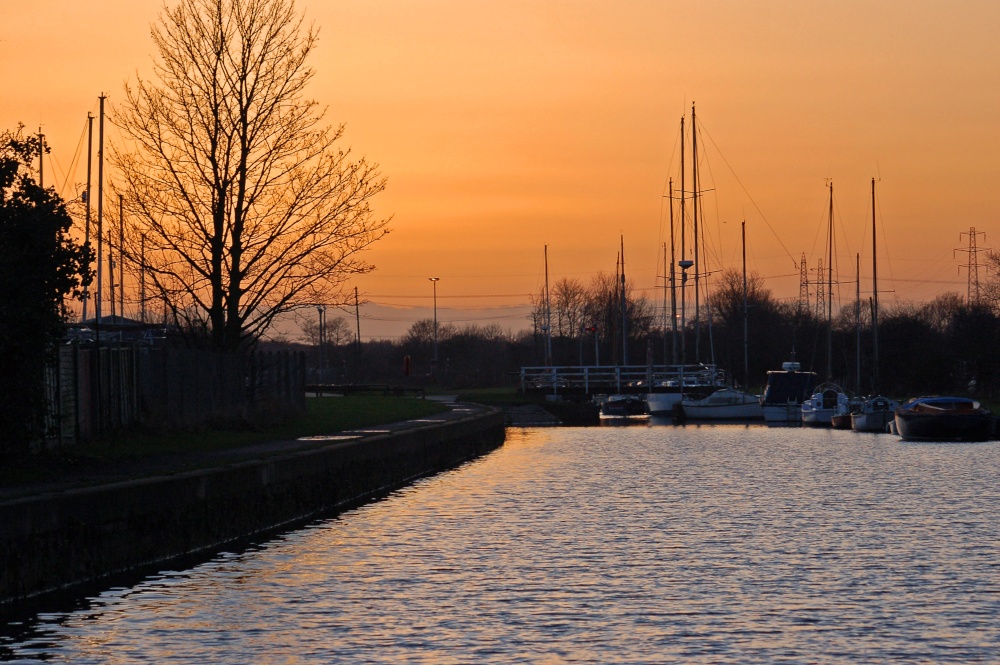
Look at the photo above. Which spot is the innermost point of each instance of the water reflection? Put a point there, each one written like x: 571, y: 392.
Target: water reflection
x: 730, y: 544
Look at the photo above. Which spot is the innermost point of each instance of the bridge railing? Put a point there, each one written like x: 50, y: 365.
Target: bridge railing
x: 592, y: 379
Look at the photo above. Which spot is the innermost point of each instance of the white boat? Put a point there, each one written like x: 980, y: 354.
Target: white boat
x: 684, y: 380
x: 827, y: 401
x: 874, y: 415
x: 877, y: 413
x: 724, y: 404
x: 785, y: 392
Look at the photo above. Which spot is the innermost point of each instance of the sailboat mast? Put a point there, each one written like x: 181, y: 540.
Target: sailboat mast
x: 874, y: 297
x: 673, y: 282
x: 548, y: 313
x: 746, y: 350
x: 624, y: 308
x: 857, y: 318
x: 684, y: 275
x: 697, y: 265
x: 666, y: 352
x: 829, y: 300
x: 100, y: 206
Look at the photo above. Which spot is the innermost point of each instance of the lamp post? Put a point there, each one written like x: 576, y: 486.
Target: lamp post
x: 321, y: 310
x: 434, y: 281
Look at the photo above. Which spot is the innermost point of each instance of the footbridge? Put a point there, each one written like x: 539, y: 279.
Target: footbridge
x: 575, y: 381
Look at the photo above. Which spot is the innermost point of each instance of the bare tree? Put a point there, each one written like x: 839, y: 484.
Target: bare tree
x: 422, y: 332
x: 240, y: 202
x: 337, y: 331
x: 570, y: 297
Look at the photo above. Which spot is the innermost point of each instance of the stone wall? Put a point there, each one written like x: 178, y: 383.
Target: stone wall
x: 49, y: 543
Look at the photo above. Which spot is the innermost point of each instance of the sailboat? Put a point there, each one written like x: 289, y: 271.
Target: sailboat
x: 684, y: 380
x: 729, y: 403
x: 876, y: 411
x: 829, y: 399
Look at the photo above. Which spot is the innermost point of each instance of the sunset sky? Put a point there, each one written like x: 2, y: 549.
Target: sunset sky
x: 507, y: 126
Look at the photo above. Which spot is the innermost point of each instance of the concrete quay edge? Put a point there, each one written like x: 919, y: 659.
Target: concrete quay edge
x: 69, y: 538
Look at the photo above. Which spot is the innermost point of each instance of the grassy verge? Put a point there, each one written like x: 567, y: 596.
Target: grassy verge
x: 324, y: 415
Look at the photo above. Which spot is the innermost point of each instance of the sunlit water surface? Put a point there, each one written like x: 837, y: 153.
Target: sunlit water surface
x: 651, y: 544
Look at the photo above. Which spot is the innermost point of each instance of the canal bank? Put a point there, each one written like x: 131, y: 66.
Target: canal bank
x: 59, y: 539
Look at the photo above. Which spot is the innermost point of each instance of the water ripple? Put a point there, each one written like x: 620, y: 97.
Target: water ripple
x: 601, y: 545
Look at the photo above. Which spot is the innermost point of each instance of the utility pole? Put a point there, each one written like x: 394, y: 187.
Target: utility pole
x: 121, y: 255
x: 803, y: 285
x: 86, y: 233
x: 972, y: 297
x: 41, y: 151
x: 142, y: 279
x: 820, y: 292
x: 111, y: 273
x: 357, y: 319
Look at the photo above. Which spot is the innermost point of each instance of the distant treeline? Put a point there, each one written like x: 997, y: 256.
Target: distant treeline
x: 945, y: 346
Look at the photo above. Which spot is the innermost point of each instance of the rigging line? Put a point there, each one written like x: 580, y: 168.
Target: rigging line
x: 74, y: 162
x: 885, y: 240
x: 718, y: 250
x: 665, y: 194
x: 743, y: 187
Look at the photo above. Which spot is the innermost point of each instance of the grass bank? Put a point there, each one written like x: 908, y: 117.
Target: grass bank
x: 130, y: 450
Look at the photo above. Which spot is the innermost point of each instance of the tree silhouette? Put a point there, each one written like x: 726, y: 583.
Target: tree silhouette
x: 240, y: 203
x: 41, y: 266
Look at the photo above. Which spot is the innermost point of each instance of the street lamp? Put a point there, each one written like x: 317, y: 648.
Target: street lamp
x: 434, y: 281
x: 321, y: 311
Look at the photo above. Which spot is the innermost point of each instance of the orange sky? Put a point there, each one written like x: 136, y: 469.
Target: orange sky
x: 506, y: 126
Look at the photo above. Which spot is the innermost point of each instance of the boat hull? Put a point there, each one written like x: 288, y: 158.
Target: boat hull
x: 662, y: 403
x: 817, y: 417
x: 873, y: 421
x: 724, y: 404
x: 973, y: 426
x: 874, y: 415
x: 841, y: 421
x: 783, y: 413
x: 624, y: 406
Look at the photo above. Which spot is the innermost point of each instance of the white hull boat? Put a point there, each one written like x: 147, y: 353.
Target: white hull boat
x: 828, y: 400
x: 874, y: 415
x: 724, y: 404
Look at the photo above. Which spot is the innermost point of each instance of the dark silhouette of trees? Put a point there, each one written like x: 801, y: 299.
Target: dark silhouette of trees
x: 769, y: 328
x: 243, y: 202
x: 937, y: 347
x: 42, y: 265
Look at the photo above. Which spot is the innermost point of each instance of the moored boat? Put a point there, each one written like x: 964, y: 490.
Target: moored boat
x: 875, y: 414
x: 724, y: 404
x: 680, y: 382
x: 624, y: 406
x: 785, y: 392
x: 827, y: 400
x: 843, y: 418
x: 943, y: 419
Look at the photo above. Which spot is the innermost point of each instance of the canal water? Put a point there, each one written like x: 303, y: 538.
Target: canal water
x: 649, y: 544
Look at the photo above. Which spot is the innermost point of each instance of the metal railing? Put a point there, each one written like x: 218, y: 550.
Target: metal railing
x: 588, y: 380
